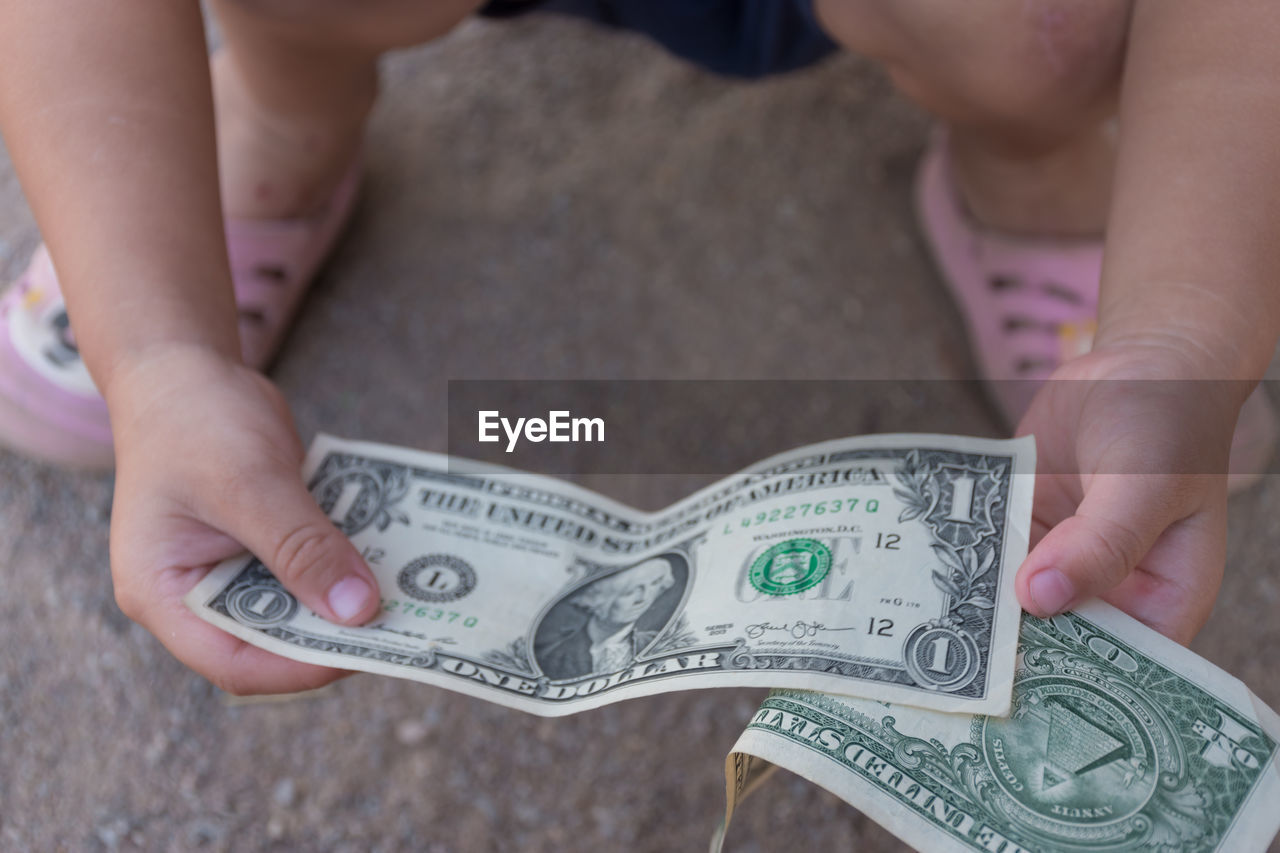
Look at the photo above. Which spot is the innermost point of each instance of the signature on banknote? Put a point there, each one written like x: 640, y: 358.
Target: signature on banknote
x: 798, y: 630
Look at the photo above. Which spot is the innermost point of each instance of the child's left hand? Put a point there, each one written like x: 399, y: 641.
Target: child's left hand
x: 1131, y: 487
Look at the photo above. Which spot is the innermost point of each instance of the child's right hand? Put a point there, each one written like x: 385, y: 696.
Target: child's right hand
x: 207, y: 462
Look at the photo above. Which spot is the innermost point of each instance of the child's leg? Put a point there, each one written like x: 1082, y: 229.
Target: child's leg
x: 293, y: 85
x: 1026, y: 86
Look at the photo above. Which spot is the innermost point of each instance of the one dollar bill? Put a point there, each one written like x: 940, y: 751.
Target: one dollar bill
x: 1118, y: 740
x: 878, y: 567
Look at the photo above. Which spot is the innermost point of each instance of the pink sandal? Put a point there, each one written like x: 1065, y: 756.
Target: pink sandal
x: 49, y: 406
x: 1029, y: 305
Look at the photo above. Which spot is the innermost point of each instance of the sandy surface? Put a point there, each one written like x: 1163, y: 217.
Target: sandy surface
x: 543, y: 201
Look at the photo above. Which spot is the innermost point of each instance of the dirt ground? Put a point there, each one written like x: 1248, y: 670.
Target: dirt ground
x: 543, y: 200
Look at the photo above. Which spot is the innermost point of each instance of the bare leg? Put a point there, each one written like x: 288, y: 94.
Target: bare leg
x: 1027, y: 87
x: 293, y: 86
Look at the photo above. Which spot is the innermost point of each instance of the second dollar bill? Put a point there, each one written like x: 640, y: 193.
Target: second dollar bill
x: 878, y: 567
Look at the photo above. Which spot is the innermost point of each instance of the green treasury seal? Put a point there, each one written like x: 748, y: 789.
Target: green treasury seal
x: 790, y: 567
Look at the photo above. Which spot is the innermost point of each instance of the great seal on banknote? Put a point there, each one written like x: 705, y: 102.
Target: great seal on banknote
x: 790, y: 567
x: 1094, y: 754
x: 1104, y: 750
x: 1081, y: 759
x: 1087, y: 757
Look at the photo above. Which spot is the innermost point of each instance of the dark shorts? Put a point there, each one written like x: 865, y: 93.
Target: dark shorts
x: 740, y: 38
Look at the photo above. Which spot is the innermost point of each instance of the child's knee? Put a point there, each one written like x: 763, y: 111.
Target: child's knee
x: 1001, y: 60
x: 1062, y: 58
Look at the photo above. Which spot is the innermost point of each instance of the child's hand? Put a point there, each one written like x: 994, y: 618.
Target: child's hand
x: 208, y: 465
x: 1131, y: 494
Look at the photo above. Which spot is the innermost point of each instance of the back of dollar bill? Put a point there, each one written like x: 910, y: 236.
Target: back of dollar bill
x: 878, y: 567
x: 1118, y: 740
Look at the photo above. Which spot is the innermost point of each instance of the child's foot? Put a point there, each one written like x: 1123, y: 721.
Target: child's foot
x: 1031, y: 303
x: 49, y: 407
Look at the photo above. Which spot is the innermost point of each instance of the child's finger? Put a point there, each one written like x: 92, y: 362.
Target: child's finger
x: 1093, y: 551
x: 227, y: 661
x: 277, y: 519
x: 1174, y: 588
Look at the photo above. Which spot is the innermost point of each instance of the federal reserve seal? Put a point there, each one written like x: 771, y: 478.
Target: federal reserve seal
x: 436, y: 578
x: 790, y: 567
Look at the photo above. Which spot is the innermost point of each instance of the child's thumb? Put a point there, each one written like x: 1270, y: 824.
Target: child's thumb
x: 285, y: 529
x: 1093, y: 551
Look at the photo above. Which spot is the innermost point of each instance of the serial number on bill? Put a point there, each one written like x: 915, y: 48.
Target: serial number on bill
x: 803, y: 510
x: 434, y: 614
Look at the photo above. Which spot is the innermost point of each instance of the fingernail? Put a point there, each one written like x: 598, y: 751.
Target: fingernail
x: 1051, y: 591
x: 348, y: 597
